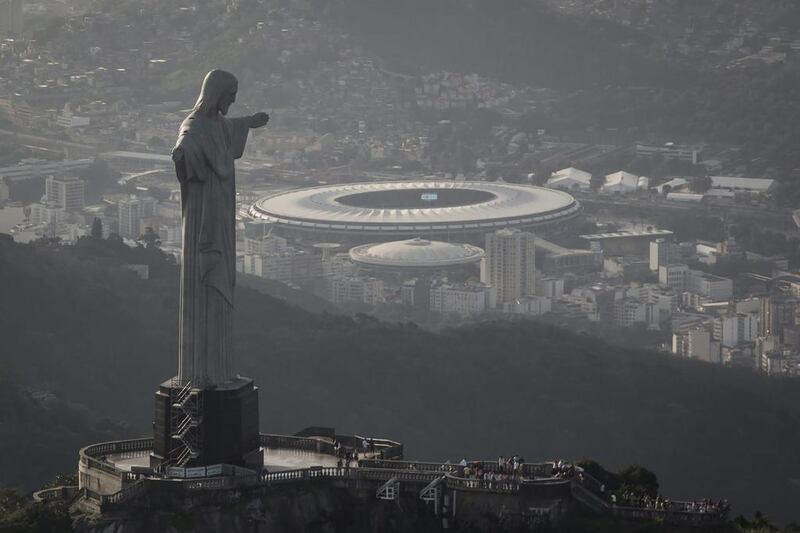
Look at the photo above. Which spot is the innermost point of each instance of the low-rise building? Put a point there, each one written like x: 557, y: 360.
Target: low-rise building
x: 629, y: 311
x: 621, y: 182
x: 690, y: 154
x: 531, y: 305
x: 698, y: 343
x: 664, y: 252
x: 743, y: 185
x: 355, y: 289
x: 715, y: 288
x: 570, y: 179
x: 54, y: 217
x: 65, y: 191
x: 287, y: 266
x: 550, y: 287
x: 736, y: 329
x: 462, y: 298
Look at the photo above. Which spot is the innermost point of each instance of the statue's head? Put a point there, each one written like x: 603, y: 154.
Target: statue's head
x: 218, y: 93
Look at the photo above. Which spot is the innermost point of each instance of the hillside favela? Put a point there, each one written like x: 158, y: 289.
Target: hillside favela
x: 354, y: 266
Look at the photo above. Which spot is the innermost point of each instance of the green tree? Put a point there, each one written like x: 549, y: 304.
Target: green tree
x: 758, y: 524
x: 150, y: 238
x: 639, y: 478
x: 20, y: 514
x: 99, y: 177
x: 63, y: 479
x: 700, y: 185
x: 97, y: 228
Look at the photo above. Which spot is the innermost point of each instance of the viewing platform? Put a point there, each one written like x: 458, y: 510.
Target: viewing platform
x: 117, y: 476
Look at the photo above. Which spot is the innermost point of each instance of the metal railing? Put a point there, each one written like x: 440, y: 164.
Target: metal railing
x: 528, y: 470
x: 125, y: 494
x: 91, y: 456
x: 186, y: 406
x: 56, y: 494
x: 588, y: 490
x: 585, y: 488
x: 290, y: 442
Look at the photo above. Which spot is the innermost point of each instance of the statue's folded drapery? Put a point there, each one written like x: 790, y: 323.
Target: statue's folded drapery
x: 204, y: 163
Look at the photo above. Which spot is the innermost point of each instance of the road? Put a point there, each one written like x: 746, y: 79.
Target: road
x: 75, y: 150
x: 776, y: 219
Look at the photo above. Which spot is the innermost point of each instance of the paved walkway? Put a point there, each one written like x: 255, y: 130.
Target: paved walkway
x: 274, y: 460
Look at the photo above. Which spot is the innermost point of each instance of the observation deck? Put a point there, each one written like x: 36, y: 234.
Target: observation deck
x: 116, y: 476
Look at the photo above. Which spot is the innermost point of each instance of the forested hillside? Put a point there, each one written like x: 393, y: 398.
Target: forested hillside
x: 611, y: 77
x: 521, y: 41
x: 78, y: 325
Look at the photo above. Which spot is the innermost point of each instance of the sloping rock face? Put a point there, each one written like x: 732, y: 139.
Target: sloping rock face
x: 317, y: 509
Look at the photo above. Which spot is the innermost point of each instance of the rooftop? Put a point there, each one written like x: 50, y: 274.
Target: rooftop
x: 416, y: 206
x: 416, y: 253
x: 626, y: 235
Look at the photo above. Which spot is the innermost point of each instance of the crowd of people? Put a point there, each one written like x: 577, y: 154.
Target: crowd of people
x: 509, y: 472
x: 484, y: 477
x: 348, y: 454
x: 563, y: 470
x: 637, y: 498
x: 659, y: 503
x: 345, y: 457
x: 506, y: 474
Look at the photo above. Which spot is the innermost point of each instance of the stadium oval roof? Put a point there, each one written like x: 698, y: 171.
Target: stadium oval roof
x: 416, y: 206
x: 416, y: 253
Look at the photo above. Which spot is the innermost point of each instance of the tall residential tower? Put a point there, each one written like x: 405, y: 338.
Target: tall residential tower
x: 510, y: 264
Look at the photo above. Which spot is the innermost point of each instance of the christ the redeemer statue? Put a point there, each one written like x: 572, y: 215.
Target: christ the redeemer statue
x: 208, y: 144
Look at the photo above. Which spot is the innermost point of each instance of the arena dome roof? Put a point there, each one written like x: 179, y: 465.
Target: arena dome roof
x: 416, y: 253
x: 413, y: 208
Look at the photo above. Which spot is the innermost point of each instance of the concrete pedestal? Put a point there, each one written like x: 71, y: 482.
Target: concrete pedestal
x: 225, y: 425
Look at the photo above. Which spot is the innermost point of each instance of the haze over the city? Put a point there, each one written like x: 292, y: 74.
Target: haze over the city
x: 373, y: 258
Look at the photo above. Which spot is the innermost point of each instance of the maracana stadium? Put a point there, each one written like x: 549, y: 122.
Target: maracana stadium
x: 461, y: 211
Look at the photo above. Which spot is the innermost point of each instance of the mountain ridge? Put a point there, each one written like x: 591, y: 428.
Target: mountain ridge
x: 477, y: 391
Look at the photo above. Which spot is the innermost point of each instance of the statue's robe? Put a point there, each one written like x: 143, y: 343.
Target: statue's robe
x: 204, y: 163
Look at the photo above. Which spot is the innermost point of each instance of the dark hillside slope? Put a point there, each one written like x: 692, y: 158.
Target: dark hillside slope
x: 514, y: 40
x: 40, y: 433
x: 97, y: 335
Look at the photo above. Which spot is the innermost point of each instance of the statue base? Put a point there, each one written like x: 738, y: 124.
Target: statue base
x: 208, y: 426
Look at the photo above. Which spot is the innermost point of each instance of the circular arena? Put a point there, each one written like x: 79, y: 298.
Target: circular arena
x: 415, y: 254
x: 446, y: 210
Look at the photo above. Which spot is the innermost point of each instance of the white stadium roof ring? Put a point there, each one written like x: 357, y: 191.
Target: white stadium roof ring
x: 413, y: 208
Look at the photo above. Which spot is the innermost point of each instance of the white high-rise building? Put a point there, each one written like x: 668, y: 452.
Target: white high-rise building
x: 268, y: 244
x: 131, y: 213
x: 673, y: 276
x: 736, y: 329
x: 11, y: 18
x: 510, y: 264
x: 663, y: 253
x: 66, y: 192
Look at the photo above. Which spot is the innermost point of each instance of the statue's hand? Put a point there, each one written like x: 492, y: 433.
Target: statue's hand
x: 258, y: 120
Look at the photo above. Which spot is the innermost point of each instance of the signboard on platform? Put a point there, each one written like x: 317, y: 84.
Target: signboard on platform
x: 198, y: 471
x: 207, y: 471
x: 176, y: 471
x: 214, y: 470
